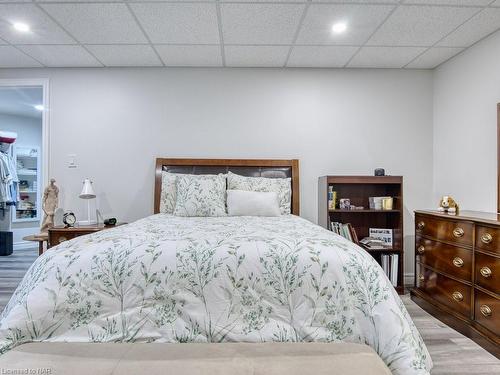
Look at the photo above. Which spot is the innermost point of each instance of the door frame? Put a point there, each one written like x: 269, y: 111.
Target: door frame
x: 44, y: 83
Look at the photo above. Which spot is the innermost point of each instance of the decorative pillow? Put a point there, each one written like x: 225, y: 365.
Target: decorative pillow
x: 200, y: 195
x: 168, y: 192
x: 252, y: 203
x: 281, y: 186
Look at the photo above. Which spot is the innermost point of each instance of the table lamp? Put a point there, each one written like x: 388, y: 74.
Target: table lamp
x: 88, y: 194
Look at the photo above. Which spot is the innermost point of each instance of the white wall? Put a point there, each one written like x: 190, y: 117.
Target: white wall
x: 29, y: 132
x: 335, y: 121
x: 466, y: 93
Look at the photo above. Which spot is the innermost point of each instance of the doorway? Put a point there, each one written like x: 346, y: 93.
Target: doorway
x: 24, y: 143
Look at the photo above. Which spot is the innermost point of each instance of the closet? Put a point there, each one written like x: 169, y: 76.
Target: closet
x: 9, y: 190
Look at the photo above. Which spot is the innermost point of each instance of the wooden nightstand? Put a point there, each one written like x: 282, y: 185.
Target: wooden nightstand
x: 60, y: 234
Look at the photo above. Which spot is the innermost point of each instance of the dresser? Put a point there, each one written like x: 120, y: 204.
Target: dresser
x: 457, y: 272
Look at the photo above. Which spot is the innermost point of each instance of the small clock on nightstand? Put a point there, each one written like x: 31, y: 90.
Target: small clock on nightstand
x: 69, y: 219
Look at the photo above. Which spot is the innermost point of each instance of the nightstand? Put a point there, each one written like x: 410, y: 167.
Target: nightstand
x: 60, y: 234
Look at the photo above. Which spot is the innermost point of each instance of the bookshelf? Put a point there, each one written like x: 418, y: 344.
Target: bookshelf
x: 358, y: 189
x: 28, y: 165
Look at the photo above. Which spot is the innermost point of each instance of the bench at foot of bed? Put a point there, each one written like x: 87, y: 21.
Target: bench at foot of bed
x: 194, y: 359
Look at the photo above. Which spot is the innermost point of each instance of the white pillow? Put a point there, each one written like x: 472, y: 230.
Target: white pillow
x: 281, y: 186
x: 200, y: 195
x: 252, y: 203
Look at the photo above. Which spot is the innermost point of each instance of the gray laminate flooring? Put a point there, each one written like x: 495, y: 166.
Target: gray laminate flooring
x: 452, y: 353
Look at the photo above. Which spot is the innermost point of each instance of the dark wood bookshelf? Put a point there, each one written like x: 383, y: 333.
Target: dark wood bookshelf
x: 358, y: 189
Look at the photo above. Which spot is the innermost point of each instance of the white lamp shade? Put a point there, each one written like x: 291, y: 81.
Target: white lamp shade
x: 88, y: 190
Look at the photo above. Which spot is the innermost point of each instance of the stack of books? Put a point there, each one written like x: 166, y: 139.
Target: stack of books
x: 345, y: 230
x: 390, y: 267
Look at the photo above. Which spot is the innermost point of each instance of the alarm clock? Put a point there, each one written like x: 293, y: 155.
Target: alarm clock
x: 69, y: 219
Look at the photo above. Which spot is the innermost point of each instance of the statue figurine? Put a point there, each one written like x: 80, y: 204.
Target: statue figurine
x: 50, y: 203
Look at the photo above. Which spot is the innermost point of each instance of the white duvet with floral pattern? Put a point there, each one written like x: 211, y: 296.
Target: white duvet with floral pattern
x: 181, y: 279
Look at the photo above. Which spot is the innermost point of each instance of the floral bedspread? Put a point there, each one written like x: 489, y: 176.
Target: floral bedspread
x: 181, y: 279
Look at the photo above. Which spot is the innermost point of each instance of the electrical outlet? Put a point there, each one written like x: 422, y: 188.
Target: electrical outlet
x: 72, y: 161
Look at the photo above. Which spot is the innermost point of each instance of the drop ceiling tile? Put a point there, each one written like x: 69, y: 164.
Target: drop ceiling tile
x: 361, y: 20
x: 43, y: 29
x: 320, y: 56
x: 190, y: 55
x: 96, y: 23
x: 74, y: 1
x: 61, y: 56
x: 479, y: 26
x: 183, y: 23
x: 450, y: 2
x: 384, y: 57
x: 433, y: 57
x: 125, y: 55
x: 419, y: 25
x: 10, y: 57
x: 260, y: 23
x: 360, y: 1
x: 257, y: 56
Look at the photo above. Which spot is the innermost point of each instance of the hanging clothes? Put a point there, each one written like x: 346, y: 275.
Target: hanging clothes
x: 9, y: 181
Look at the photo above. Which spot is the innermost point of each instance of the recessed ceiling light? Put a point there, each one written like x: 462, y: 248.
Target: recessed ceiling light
x: 339, y: 27
x: 22, y: 27
x: 39, y: 107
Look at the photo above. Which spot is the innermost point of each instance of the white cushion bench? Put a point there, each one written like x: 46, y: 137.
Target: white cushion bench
x: 193, y: 359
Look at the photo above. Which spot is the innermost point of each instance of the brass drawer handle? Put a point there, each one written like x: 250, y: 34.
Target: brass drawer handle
x: 421, y: 249
x: 458, y: 232
x: 420, y: 225
x: 485, y: 310
x: 458, y: 262
x: 485, y: 271
x: 457, y: 296
x: 62, y: 239
x: 421, y: 278
x: 486, y: 238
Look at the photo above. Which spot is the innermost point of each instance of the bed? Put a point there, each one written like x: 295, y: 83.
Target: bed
x: 171, y: 279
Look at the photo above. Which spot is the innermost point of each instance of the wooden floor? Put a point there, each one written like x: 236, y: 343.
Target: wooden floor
x: 452, y: 353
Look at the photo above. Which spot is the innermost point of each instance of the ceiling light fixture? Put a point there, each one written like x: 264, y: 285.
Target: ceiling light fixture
x: 339, y: 27
x: 39, y: 107
x: 22, y: 27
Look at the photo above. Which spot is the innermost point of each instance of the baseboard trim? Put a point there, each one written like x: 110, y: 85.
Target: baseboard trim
x: 409, y: 279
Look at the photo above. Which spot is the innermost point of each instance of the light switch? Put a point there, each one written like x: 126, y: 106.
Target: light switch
x: 72, y: 161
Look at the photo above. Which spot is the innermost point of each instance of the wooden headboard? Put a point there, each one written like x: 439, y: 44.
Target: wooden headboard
x: 244, y: 167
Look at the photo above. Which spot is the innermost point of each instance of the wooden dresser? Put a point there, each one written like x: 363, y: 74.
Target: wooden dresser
x: 457, y: 272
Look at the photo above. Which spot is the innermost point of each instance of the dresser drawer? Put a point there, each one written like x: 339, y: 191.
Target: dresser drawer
x: 488, y: 272
x: 459, y: 232
x: 453, y: 260
x: 488, y: 239
x: 57, y: 237
x: 487, y: 311
x: 453, y: 294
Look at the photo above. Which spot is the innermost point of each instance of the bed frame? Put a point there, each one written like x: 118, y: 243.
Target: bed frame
x: 270, y: 168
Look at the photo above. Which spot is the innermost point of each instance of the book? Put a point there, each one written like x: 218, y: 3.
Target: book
x: 353, y: 234
x: 382, y: 234
x: 370, y: 243
x: 389, y: 264
x: 345, y: 230
x: 394, y: 269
